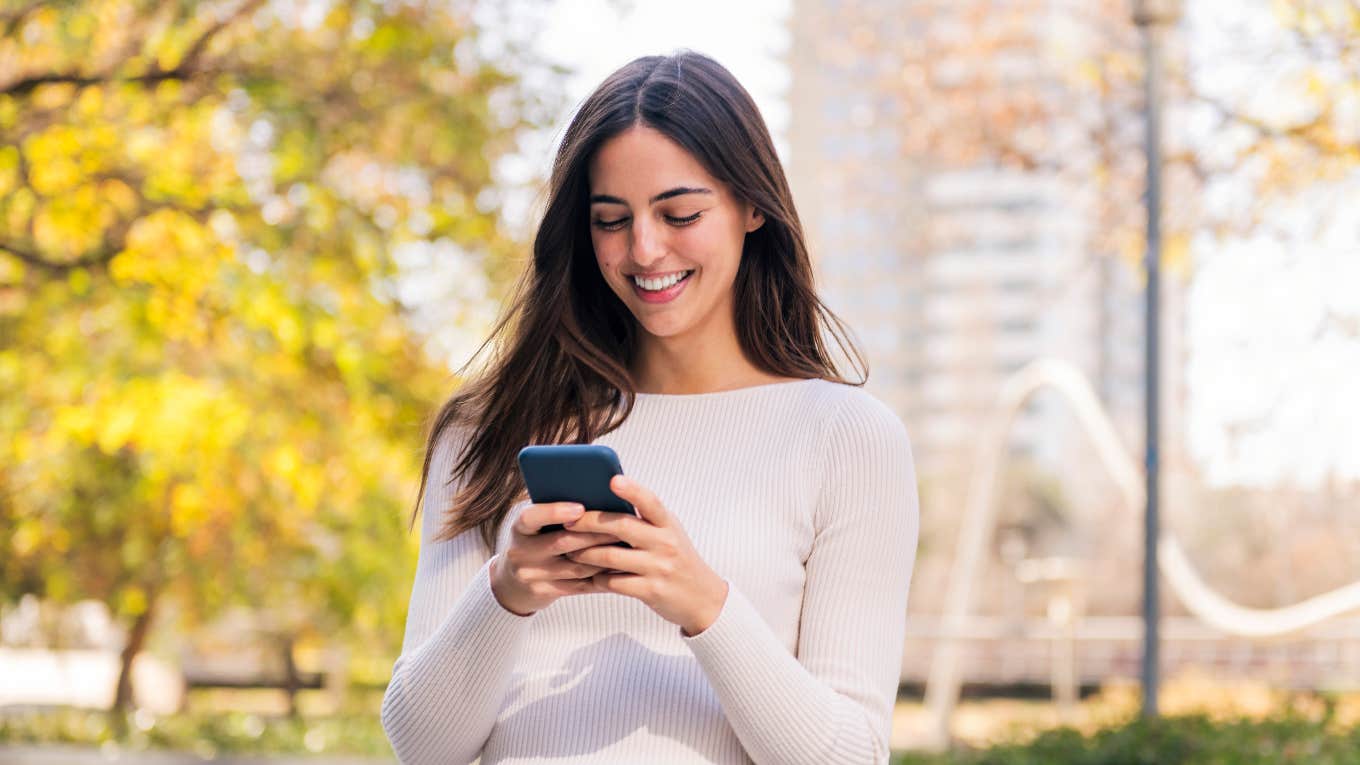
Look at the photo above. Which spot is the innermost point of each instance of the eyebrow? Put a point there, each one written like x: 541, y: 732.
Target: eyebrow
x: 675, y: 192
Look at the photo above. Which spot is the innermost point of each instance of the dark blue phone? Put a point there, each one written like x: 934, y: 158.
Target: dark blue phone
x: 572, y: 473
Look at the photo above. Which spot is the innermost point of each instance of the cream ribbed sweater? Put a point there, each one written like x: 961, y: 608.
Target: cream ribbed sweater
x: 802, y: 495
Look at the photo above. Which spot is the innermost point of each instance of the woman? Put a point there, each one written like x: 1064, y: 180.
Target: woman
x: 669, y: 313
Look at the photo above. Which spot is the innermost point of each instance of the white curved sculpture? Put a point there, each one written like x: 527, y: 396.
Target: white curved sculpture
x: 1226, y: 615
x: 942, y: 687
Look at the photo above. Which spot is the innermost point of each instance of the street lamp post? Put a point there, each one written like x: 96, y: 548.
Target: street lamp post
x: 1152, y: 17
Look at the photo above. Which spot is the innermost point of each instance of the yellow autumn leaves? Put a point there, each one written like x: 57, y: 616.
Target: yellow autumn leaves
x: 209, y: 390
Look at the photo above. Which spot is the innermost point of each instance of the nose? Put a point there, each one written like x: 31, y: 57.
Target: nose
x: 648, y: 245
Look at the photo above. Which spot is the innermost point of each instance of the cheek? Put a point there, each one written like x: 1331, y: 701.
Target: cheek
x: 610, y: 259
x: 605, y: 256
x: 721, y: 250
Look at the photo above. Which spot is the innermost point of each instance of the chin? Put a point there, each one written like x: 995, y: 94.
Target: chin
x: 662, y: 328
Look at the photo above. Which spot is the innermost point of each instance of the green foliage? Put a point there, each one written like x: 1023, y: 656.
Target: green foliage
x: 1187, y: 740
x: 210, y: 389
x: 1195, y: 739
x: 205, y: 735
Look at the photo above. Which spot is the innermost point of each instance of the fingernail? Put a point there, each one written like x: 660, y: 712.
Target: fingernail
x: 577, y: 510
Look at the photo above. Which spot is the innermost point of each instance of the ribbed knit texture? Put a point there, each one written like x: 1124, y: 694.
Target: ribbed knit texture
x: 802, y: 495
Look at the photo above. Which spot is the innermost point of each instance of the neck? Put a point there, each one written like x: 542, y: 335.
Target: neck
x: 695, y: 363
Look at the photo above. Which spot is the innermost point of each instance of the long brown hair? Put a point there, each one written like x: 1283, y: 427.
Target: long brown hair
x: 563, y: 349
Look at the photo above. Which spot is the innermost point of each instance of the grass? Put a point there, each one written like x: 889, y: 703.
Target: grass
x: 1207, y: 723
x: 1198, y: 739
x: 218, y: 722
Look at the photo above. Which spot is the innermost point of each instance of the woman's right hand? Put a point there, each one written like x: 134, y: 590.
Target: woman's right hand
x: 531, y: 573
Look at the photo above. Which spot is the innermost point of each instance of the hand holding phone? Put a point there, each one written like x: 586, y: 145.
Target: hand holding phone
x: 531, y: 573
x: 573, y: 473
x: 563, y: 482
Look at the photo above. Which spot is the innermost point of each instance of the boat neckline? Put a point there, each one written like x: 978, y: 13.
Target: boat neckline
x: 725, y: 393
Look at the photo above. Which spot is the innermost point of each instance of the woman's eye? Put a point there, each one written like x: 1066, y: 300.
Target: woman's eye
x: 614, y: 225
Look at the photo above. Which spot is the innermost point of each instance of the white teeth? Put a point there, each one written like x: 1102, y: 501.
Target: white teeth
x: 652, y: 285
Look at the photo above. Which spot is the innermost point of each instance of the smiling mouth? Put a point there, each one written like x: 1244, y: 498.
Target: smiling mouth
x: 661, y: 283
x: 668, y: 287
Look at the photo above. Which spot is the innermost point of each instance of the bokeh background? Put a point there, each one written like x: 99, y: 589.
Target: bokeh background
x: 244, y: 247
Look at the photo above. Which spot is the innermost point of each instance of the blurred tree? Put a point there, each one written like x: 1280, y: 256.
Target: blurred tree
x: 210, y: 388
x: 1297, y: 121
x: 1053, y: 90
x: 1058, y: 89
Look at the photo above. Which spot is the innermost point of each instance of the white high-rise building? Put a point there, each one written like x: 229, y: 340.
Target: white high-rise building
x: 956, y: 274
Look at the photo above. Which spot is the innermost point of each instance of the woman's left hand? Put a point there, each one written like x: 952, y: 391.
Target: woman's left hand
x: 662, y: 569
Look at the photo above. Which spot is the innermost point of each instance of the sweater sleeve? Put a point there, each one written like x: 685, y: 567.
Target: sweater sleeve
x: 833, y: 702
x: 460, y: 644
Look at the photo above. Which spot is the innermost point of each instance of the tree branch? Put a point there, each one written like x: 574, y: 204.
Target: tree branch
x: 32, y: 258
x: 188, y: 67
x: 114, y: 242
x: 197, y: 47
x: 1303, y: 133
x: 26, y: 85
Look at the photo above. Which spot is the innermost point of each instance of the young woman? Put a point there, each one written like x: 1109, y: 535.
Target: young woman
x: 669, y: 313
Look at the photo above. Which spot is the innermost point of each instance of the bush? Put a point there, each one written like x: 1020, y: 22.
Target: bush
x: 1192, y: 739
x: 204, y: 734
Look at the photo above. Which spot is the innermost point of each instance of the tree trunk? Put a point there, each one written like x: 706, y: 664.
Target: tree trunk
x: 122, y: 699
x: 291, y: 681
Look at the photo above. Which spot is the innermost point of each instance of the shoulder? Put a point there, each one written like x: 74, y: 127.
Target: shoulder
x: 447, y: 445
x: 865, y: 459
x: 440, y: 478
x: 853, y: 417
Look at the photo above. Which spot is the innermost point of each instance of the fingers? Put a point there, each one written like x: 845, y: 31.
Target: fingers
x: 648, y: 505
x: 632, y: 585
x: 555, y: 588
x: 619, y: 559
x: 557, y: 543
x: 634, y: 531
x: 536, y: 516
x: 559, y: 570
x: 576, y: 586
x: 535, y: 552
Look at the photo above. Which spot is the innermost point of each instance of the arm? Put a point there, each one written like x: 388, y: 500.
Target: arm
x: 833, y: 703
x: 460, y: 644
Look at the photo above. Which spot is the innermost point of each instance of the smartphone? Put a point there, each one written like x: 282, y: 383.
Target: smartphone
x: 572, y: 473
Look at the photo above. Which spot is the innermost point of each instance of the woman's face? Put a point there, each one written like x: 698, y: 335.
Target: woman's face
x: 667, y: 235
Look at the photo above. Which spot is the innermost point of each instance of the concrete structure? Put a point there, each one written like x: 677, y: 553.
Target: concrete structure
x: 956, y: 273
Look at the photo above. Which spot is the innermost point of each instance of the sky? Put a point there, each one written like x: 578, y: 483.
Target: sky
x: 1270, y: 372
x: 749, y: 38
x: 595, y: 37
x: 1273, y: 330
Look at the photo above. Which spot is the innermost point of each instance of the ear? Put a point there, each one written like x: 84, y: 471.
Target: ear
x: 754, y: 219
